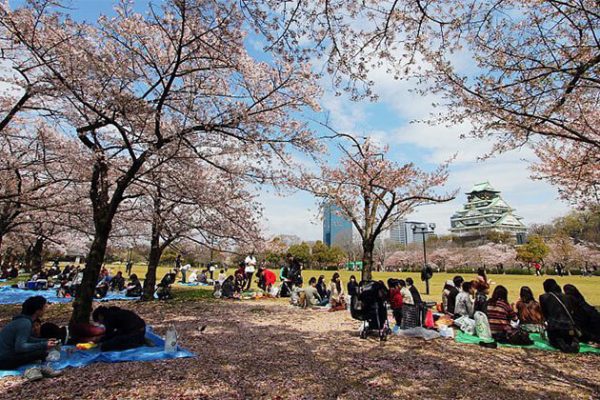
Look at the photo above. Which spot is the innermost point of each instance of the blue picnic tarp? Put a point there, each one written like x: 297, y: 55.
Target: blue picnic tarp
x: 10, y: 295
x: 70, y: 357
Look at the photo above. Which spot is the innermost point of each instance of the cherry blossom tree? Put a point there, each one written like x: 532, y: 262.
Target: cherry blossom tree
x: 372, y: 191
x: 530, y: 78
x: 183, y: 200
x: 135, y: 87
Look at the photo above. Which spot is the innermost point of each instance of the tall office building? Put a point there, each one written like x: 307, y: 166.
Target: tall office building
x: 401, y: 233
x: 336, y: 229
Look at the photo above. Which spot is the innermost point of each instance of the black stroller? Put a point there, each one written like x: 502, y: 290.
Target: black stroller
x: 369, y: 306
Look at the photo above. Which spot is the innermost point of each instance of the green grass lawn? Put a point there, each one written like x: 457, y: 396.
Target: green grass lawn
x: 589, y: 286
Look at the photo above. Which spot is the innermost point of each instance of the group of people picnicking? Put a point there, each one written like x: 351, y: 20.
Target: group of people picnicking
x: 562, y: 316
x: 28, y: 339
x: 238, y: 284
x: 67, y: 281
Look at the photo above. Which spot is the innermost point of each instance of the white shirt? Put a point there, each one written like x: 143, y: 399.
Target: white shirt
x: 250, y: 264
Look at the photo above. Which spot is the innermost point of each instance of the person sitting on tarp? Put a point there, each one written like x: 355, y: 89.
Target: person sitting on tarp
x: 558, y: 313
x: 124, y: 328
x: 101, y: 290
x: 117, y: 283
x: 228, y: 289
x: 134, y: 288
x: 312, y: 296
x: 18, y: 346
x: 163, y: 290
x: 586, y: 317
x: 266, y: 279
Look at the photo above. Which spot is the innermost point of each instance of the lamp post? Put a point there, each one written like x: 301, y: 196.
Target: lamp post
x: 423, y: 229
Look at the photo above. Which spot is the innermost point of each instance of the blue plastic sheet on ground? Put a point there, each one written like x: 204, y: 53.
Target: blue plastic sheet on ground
x: 9, y: 295
x: 193, y: 284
x: 72, y: 358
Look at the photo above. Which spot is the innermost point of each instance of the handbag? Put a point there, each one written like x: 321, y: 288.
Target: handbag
x: 575, y: 332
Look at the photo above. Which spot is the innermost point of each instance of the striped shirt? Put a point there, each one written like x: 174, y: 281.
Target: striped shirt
x: 499, y: 316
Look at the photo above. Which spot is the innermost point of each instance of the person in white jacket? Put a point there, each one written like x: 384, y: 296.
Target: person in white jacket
x: 249, y: 269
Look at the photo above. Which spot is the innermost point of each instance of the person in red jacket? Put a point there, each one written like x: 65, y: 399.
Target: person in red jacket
x: 266, y: 279
x: 395, y: 300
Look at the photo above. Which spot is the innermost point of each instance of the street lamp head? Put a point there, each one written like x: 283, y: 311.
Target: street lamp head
x: 432, y: 226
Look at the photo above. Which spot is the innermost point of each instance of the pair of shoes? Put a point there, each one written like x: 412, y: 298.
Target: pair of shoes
x: 489, y: 345
x: 49, y: 372
x: 33, y: 374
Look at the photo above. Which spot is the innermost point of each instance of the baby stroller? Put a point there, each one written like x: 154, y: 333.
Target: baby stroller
x: 369, y: 306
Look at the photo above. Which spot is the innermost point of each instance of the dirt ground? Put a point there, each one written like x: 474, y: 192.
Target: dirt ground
x: 266, y: 349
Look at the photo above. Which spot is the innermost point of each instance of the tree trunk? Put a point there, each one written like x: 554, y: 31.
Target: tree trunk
x: 82, y: 307
x: 36, y: 255
x: 367, y: 259
x: 153, y: 260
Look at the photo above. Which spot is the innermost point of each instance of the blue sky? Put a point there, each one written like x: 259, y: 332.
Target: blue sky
x: 388, y: 121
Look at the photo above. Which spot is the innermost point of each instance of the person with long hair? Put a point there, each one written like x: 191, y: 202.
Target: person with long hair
x: 586, y: 317
x: 337, y: 298
x: 529, y: 311
x: 500, y: 314
x: 322, y: 288
x: 352, y: 286
x: 558, y: 314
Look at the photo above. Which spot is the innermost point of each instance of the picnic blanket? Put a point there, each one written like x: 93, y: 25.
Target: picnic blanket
x: 194, y: 284
x: 9, y: 295
x: 538, y: 343
x: 70, y: 357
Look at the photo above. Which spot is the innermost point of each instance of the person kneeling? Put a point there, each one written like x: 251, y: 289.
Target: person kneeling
x: 124, y: 328
x: 18, y: 347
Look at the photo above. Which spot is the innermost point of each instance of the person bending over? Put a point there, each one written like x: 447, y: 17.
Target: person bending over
x: 124, y: 328
x: 18, y: 346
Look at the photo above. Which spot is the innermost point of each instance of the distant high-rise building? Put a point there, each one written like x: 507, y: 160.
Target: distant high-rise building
x: 336, y: 229
x: 401, y: 232
x: 485, y: 212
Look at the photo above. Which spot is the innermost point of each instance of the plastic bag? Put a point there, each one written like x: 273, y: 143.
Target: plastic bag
x: 274, y: 291
x: 466, y: 324
x: 429, y: 320
x: 418, y: 332
x: 446, y: 332
x: 482, y: 326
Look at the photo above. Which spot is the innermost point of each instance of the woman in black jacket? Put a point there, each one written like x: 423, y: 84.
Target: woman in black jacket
x: 586, y: 317
x: 558, y: 311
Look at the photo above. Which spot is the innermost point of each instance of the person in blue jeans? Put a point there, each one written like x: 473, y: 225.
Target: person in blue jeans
x: 18, y: 347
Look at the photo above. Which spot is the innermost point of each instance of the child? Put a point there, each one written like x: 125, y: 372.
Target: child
x: 395, y: 300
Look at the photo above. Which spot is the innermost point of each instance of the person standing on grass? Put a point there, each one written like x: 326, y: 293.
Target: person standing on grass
x: 128, y: 267
x: 249, y: 269
x: 18, y: 347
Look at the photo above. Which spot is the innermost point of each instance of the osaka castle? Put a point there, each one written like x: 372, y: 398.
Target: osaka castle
x: 484, y: 212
